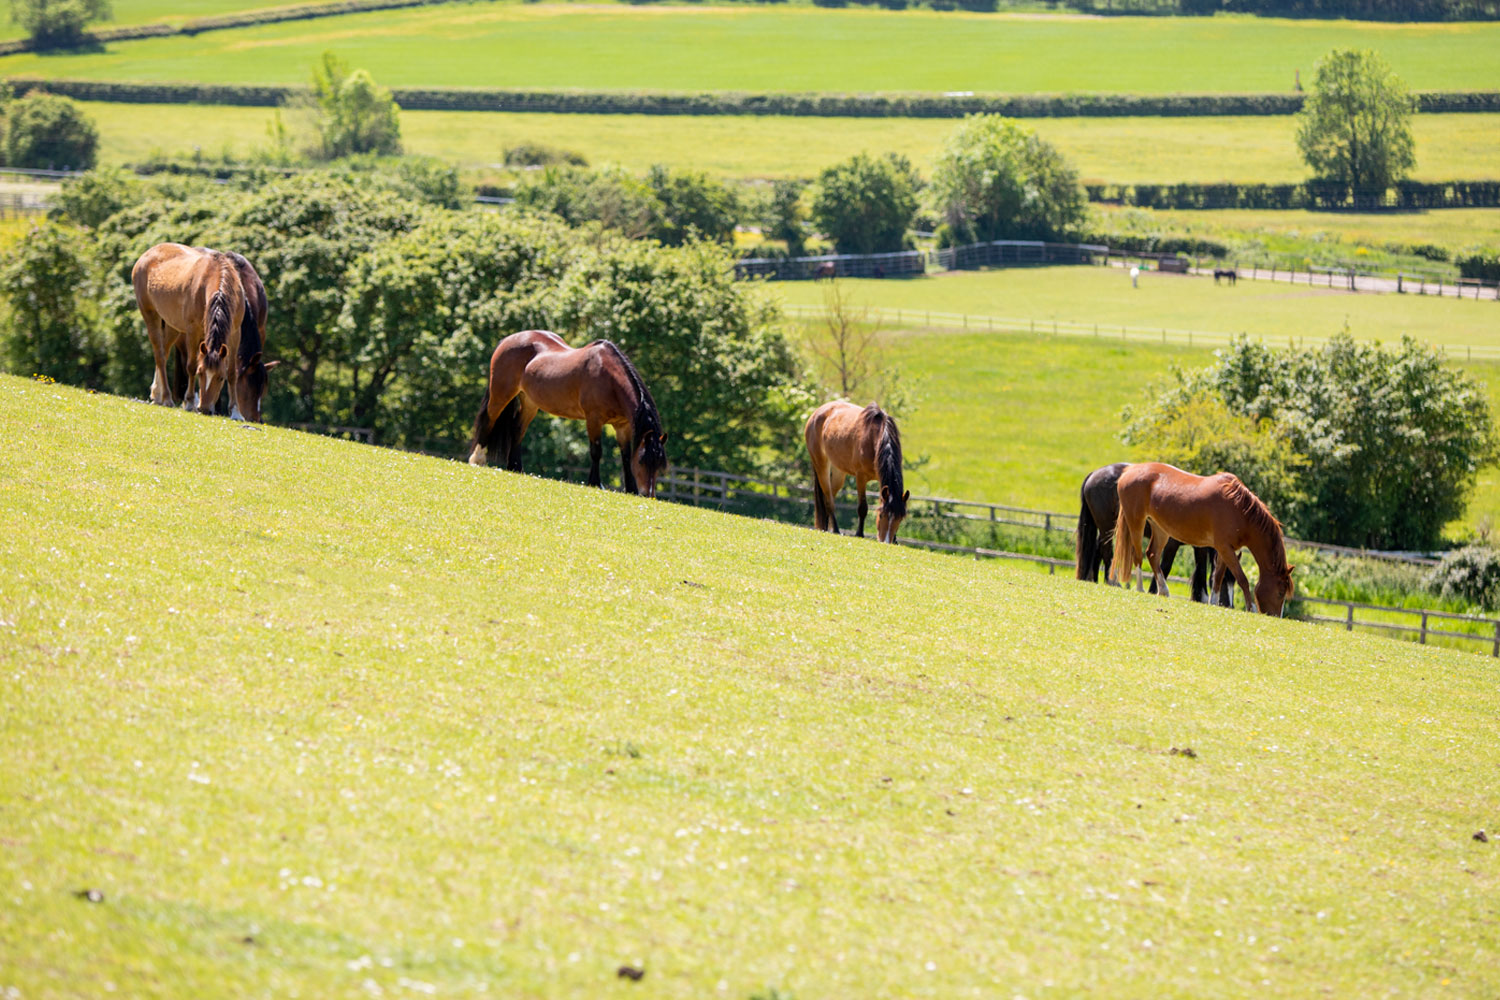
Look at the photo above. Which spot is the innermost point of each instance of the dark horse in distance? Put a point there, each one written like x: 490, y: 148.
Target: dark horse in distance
x: 1099, y: 508
x: 535, y: 371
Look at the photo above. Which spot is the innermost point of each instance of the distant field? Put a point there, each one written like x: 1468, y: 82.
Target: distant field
x: 128, y: 12
x: 551, y: 45
x: 1104, y: 296
x: 1120, y: 150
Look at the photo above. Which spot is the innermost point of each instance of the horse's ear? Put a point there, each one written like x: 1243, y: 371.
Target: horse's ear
x: 885, y: 494
x: 254, y: 360
x: 906, y: 496
x: 663, y: 438
x: 271, y: 364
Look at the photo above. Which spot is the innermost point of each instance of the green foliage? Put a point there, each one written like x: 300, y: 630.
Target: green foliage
x: 783, y: 216
x: 538, y: 154
x: 1483, y: 264
x: 57, y: 23
x: 1469, y: 574
x: 355, y: 114
x: 996, y: 179
x: 48, y: 328
x: 693, y: 206
x: 1355, y: 128
x: 867, y: 203
x: 89, y: 200
x: 669, y: 206
x: 45, y: 131
x: 1192, y: 428
x: 1393, y: 441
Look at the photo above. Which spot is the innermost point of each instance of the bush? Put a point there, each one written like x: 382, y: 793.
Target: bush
x: 354, y: 114
x: 610, y: 197
x: 1470, y: 574
x: 996, y: 179
x: 48, y: 329
x: 89, y: 200
x: 57, y: 23
x: 536, y: 154
x: 1482, y: 264
x: 693, y: 205
x: 44, y: 131
x: 866, y: 204
x: 1393, y: 440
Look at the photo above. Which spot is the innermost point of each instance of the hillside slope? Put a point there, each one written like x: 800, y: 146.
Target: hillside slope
x: 327, y: 719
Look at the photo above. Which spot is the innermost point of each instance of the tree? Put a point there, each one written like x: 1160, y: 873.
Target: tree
x: 610, y: 197
x: 692, y: 204
x: 1354, y: 130
x: 352, y: 114
x: 47, y: 330
x: 44, y: 131
x: 996, y: 179
x: 866, y: 204
x: 784, y: 215
x: 1389, y: 442
x: 57, y: 23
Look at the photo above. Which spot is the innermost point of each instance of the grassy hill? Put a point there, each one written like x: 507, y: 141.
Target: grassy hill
x: 317, y: 718
x: 558, y: 45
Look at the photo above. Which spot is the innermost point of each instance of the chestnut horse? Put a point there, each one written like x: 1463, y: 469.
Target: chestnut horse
x: 1218, y: 511
x: 536, y: 371
x: 194, y: 301
x: 1099, y: 508
x: 845, y: 439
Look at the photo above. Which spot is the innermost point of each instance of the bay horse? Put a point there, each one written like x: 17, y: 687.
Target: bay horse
x: 536, y: 371
x: 864, y: 442
x: 1218, y: 511
x: 253, y: 368
x: 1099, y: 508
x: 194, y: 302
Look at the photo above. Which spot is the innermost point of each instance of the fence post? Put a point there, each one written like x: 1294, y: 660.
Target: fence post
x: 1349, y: 625
x: 1399, y: 276
x: 1047, y: 523
x: 1423, y: 639
x: 1496, y: 650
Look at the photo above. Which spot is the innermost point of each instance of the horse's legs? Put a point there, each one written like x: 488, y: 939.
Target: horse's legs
x: 1231, y: 559
x: 1168, y: 560
x: 1200, y: 574
x: 190, y: 393
x: 161, y: 385
x: 596, y: 450
x: 625, y: 439
x: 832, y: 480
x: 1159, y: 541
x: 523, y: 421
x: 864, y: 506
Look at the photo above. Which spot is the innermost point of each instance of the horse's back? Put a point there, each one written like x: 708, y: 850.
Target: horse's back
x: 843, y: 433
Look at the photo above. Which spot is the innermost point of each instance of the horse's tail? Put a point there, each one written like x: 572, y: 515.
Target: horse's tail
x: 486, y: 432
x: 1087, y: 540
x: 1127, y: 551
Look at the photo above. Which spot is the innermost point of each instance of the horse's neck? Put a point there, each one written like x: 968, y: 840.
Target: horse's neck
x: 1269, y: 553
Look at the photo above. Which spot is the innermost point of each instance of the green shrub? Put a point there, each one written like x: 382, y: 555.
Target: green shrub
x: 1469, y: 574
x: 996, y: 179
x: 49, y: 328
x: 866, y: 204
x: 45, y: 131
x: 536, y: 154
x: 57, y: 23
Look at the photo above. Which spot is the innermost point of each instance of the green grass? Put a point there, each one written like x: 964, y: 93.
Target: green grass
x: 313, y: 717
x: 1115, y: 150
x: 133, y: 12
x: 1178, y: 302
x: 551, y: 45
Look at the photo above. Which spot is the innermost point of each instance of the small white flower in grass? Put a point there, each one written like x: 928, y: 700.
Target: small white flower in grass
x: 1147, y: 943
x: 930, y: 966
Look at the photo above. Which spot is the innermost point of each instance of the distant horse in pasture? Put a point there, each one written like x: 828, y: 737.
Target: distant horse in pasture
x: 536, y: 371
x: 1099, y: 508
x: 199, y: 303
x: 828, y: 269
x: 1226, y: 272
x: 844, y: 439
x: 1218, y: 511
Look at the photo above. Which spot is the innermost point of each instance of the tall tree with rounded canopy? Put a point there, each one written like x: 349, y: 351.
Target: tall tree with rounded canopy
x: 996, y: 179
x: 1355, y: 128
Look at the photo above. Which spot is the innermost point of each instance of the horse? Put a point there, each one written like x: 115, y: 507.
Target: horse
x: 536, y: 371
x: 844, y: 439
x: 1225, y: 272
x: 826, y: 270
x: 1218, y: 511
x: 194, y: 301
x: 1099, y: 507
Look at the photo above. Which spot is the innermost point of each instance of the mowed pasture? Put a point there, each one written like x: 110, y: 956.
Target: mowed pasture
x: 317, y: 718
x: 1113, y: 150
x: 691, y: 48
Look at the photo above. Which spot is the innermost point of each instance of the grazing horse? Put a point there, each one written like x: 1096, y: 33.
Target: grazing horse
x: 828, y: 269
x: 536, y: 371
x: 193, y: 300
x: 1218, y: 511
x: 253, y: 368
x: 1099, y: 508
x: 1225, y: 272
x: 844, y: 439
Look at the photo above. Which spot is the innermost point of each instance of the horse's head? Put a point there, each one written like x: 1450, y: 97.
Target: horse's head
x: 1273, y: 591
x: 213, y: 372
x: 648, y: 461
x: 890, y: 515
x: 250, y: 387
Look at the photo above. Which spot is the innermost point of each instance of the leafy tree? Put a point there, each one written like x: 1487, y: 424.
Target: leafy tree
x: 866, y: 203
x: 1354, y: 129
x: 1392, y: 440
x: 996, y: 179
x: 692, y: 203
x: 46, y: 131
x: 48, y: 328
x: 783, y: 216
x: 610, y: 197
x: 353, y: 113
x: 57, y: 23
x: 97, y: 195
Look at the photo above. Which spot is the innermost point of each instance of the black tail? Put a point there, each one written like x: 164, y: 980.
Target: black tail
x: 179, y: 378
x: 1086, y: 551
x: 487, y: 433
x: 823, y: 507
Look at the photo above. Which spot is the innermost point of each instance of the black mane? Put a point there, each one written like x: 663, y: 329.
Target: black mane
x: 646, y: 428
x: 888, y: 459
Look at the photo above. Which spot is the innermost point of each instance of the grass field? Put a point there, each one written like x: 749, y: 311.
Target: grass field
x: 1104, y: 296
x: 131, y: 12
x: 321, y: 719
x: 1117, y: 150
x: 552, y: 45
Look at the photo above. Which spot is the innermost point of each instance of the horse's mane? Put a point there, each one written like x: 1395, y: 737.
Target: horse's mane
x: 1262, y: 519
x: 888, y: 457
x: 218, y: 310
x: 646, y: 421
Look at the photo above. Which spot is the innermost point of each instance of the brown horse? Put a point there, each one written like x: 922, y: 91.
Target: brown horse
x: 1218, y: 511
x: 1099, y: 509
x: 846, y: 440
x: 536, y: 371
x: 194, y: 301
x: 253, y: 368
